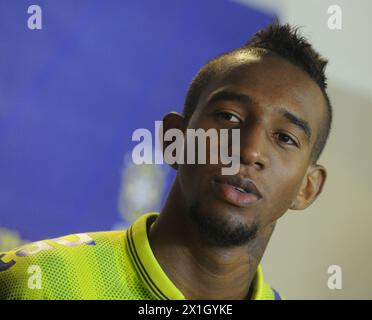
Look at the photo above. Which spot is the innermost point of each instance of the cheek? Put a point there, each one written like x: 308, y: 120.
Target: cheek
x: 286, y: 183
x: 185, y: 173
x: 192, y: 181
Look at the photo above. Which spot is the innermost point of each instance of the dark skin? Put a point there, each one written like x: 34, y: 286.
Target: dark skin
x: 275, y: 152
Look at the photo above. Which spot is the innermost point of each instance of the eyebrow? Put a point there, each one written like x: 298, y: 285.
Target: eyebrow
x: 297, y: 121
x: 243, y: 98
x: 231, y: 96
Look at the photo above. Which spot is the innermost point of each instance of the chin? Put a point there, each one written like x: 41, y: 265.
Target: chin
x: 224, y: 225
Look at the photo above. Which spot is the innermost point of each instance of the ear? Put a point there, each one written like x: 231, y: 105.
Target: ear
x: 172, y: 120
x: 311, y: 187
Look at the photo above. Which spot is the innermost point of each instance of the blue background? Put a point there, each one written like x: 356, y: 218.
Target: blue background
x: 72, y: 94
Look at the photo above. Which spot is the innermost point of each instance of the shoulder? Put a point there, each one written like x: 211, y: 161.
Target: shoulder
x: 24, y: 269
x: 262, y: 290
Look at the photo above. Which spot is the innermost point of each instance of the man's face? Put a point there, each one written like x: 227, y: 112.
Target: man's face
x: 279, y: 110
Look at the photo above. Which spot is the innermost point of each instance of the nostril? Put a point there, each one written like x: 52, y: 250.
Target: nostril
x: 253, y: 160
x: 259, y: 165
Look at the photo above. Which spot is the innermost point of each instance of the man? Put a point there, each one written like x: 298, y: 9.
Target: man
x: 212, y: 232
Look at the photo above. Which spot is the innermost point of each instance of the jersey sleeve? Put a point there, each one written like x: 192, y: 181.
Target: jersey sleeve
x: 75, y: 266
x: 20, y: 277
x: 45, y: 269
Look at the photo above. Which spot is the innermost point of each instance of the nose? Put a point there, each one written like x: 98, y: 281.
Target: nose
x: 253, y: 147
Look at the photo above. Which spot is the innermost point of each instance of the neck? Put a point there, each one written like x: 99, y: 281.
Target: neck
x: 199, y: 270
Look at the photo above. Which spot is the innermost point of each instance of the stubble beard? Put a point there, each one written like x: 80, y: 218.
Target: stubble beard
x: 219, y: 232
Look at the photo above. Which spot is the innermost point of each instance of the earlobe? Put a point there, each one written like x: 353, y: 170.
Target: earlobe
x: 311, y: 187
x: 294, y: 204
x: 298, y: 203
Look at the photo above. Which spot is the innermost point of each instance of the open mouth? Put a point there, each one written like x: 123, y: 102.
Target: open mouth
x: 236, y: 190
x: 240, y: 189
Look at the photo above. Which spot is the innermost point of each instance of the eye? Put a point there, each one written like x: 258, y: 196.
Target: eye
x: 228, y: 116
x: 285, y: 138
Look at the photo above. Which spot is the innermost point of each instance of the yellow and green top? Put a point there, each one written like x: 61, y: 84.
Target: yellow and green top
x: 96, y: 265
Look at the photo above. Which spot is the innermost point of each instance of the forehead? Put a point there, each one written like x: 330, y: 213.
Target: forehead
x: 272, y: 82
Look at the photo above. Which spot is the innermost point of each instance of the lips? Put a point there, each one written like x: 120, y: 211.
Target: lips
x: 236, y: 190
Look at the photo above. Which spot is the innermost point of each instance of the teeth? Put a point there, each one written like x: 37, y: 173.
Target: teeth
x: 240, y: 189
